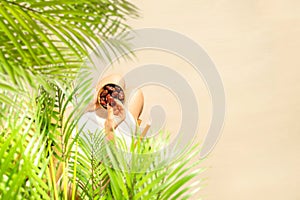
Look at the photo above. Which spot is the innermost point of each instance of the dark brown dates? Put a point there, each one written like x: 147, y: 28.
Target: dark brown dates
x: 109, y: 93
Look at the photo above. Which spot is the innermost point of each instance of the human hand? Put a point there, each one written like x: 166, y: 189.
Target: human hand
x: 115, y: 115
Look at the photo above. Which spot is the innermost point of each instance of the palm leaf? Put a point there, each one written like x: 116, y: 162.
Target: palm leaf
x: 166, y: 183
x: 53, y: 38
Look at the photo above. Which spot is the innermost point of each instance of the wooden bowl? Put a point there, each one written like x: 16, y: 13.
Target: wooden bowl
x: 109, y: 93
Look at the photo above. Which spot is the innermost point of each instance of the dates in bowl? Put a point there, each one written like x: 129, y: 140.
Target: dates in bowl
x: 109, y: 93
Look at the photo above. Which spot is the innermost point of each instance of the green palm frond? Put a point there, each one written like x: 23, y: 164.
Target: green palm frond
x: 23, y: 160
x: 42, y: 47
x: 31, y: 136
x: 169, y: 182
x: 47, y: 41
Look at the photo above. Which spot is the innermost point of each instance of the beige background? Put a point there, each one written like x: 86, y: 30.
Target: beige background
x: 255, y: 45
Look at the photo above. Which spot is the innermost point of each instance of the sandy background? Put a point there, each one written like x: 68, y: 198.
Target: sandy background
x: 255, y: 45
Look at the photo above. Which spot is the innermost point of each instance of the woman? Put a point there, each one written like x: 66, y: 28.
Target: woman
x: 116, y: 120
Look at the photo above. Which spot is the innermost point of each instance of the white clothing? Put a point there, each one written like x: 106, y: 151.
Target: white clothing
x: 92, y: 123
